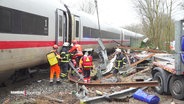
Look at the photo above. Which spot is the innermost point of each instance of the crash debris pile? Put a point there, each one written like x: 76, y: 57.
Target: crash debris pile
x: 136, y: 72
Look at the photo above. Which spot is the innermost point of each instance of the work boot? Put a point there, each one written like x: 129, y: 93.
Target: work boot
x: 115, y: 71
x: 58, y: 82
x: 63, y: 75
x: 51, y: 83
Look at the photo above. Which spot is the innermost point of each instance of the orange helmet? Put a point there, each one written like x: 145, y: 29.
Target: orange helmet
x: 55, y: 46
x: 74, y: 41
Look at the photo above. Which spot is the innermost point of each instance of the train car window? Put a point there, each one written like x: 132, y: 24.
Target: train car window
x: 127, y: 37
x: 86, y: 32
x: 95, y: 33
x: 28, y: 22
x: 41, y: 25
x: 65, y: 26
x: 110, y: 35
x: 14, y: 21
x: 104, y: 34
x: 60, y: 25
x: 77, y: 29
x: 5, y: 20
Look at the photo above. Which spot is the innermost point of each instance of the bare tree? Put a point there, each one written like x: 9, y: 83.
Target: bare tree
x: 157, y: 21
x: 182, y: 5
x: 135, y: 28
x: 87, y: 6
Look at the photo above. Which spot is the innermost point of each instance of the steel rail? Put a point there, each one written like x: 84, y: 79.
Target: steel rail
x: 129, y: 84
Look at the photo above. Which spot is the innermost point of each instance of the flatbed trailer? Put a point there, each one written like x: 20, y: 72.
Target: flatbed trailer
x: 168, y: 69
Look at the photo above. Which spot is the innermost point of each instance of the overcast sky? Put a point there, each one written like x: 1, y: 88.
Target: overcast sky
x: 117, y: 12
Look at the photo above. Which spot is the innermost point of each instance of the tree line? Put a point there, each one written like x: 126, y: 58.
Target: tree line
x: 157, y: 19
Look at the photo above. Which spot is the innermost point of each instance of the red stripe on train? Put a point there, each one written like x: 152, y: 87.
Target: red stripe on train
x: 24, y: 44
x: 33, y: 44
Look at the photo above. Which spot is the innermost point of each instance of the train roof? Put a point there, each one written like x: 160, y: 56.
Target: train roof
x: 132, y: 34
x: 41, y: 7
x: 89, y: 20
x: 47, y: 7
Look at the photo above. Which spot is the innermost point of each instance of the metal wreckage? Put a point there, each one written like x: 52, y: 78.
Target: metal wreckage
x: 102, y: 75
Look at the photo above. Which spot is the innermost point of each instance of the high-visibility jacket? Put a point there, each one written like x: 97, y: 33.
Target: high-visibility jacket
x: 52, y: 57
x: 120, y: 60
x: 87, y: 62
x: 56, y: 53
x: 65, y: 56
x: 77, y: 48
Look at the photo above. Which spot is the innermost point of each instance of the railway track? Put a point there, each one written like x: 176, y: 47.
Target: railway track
x: 76, y: 79
x: 129, y: 84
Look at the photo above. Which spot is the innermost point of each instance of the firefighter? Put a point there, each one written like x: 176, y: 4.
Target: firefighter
x: 77, y: 50
x: 65, y: 58
x: 53, y: 57
x: 86, y: 63
x: 119, y: 62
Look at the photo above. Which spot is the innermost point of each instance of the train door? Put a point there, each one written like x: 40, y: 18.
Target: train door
x: 61, y: 27
x: 122, y: 37
x: 76, y: 28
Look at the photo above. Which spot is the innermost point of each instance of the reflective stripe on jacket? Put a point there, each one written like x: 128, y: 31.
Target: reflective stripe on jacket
x: 120, y: 61
x: 65, y: 57
x: 87, y: 62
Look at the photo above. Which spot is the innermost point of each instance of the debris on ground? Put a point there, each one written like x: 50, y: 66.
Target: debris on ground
x: 38, y: 91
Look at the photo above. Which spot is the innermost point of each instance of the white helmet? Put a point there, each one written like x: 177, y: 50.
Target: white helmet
x: 118, y: 50
x: 66, y: 44
x: 86, y: 53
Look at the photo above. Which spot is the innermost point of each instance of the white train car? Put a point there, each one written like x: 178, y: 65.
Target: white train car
x: 90, y: 32
x: 29, y: 29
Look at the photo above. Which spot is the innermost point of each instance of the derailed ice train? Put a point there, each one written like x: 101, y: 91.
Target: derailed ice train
x: 29, y: 29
